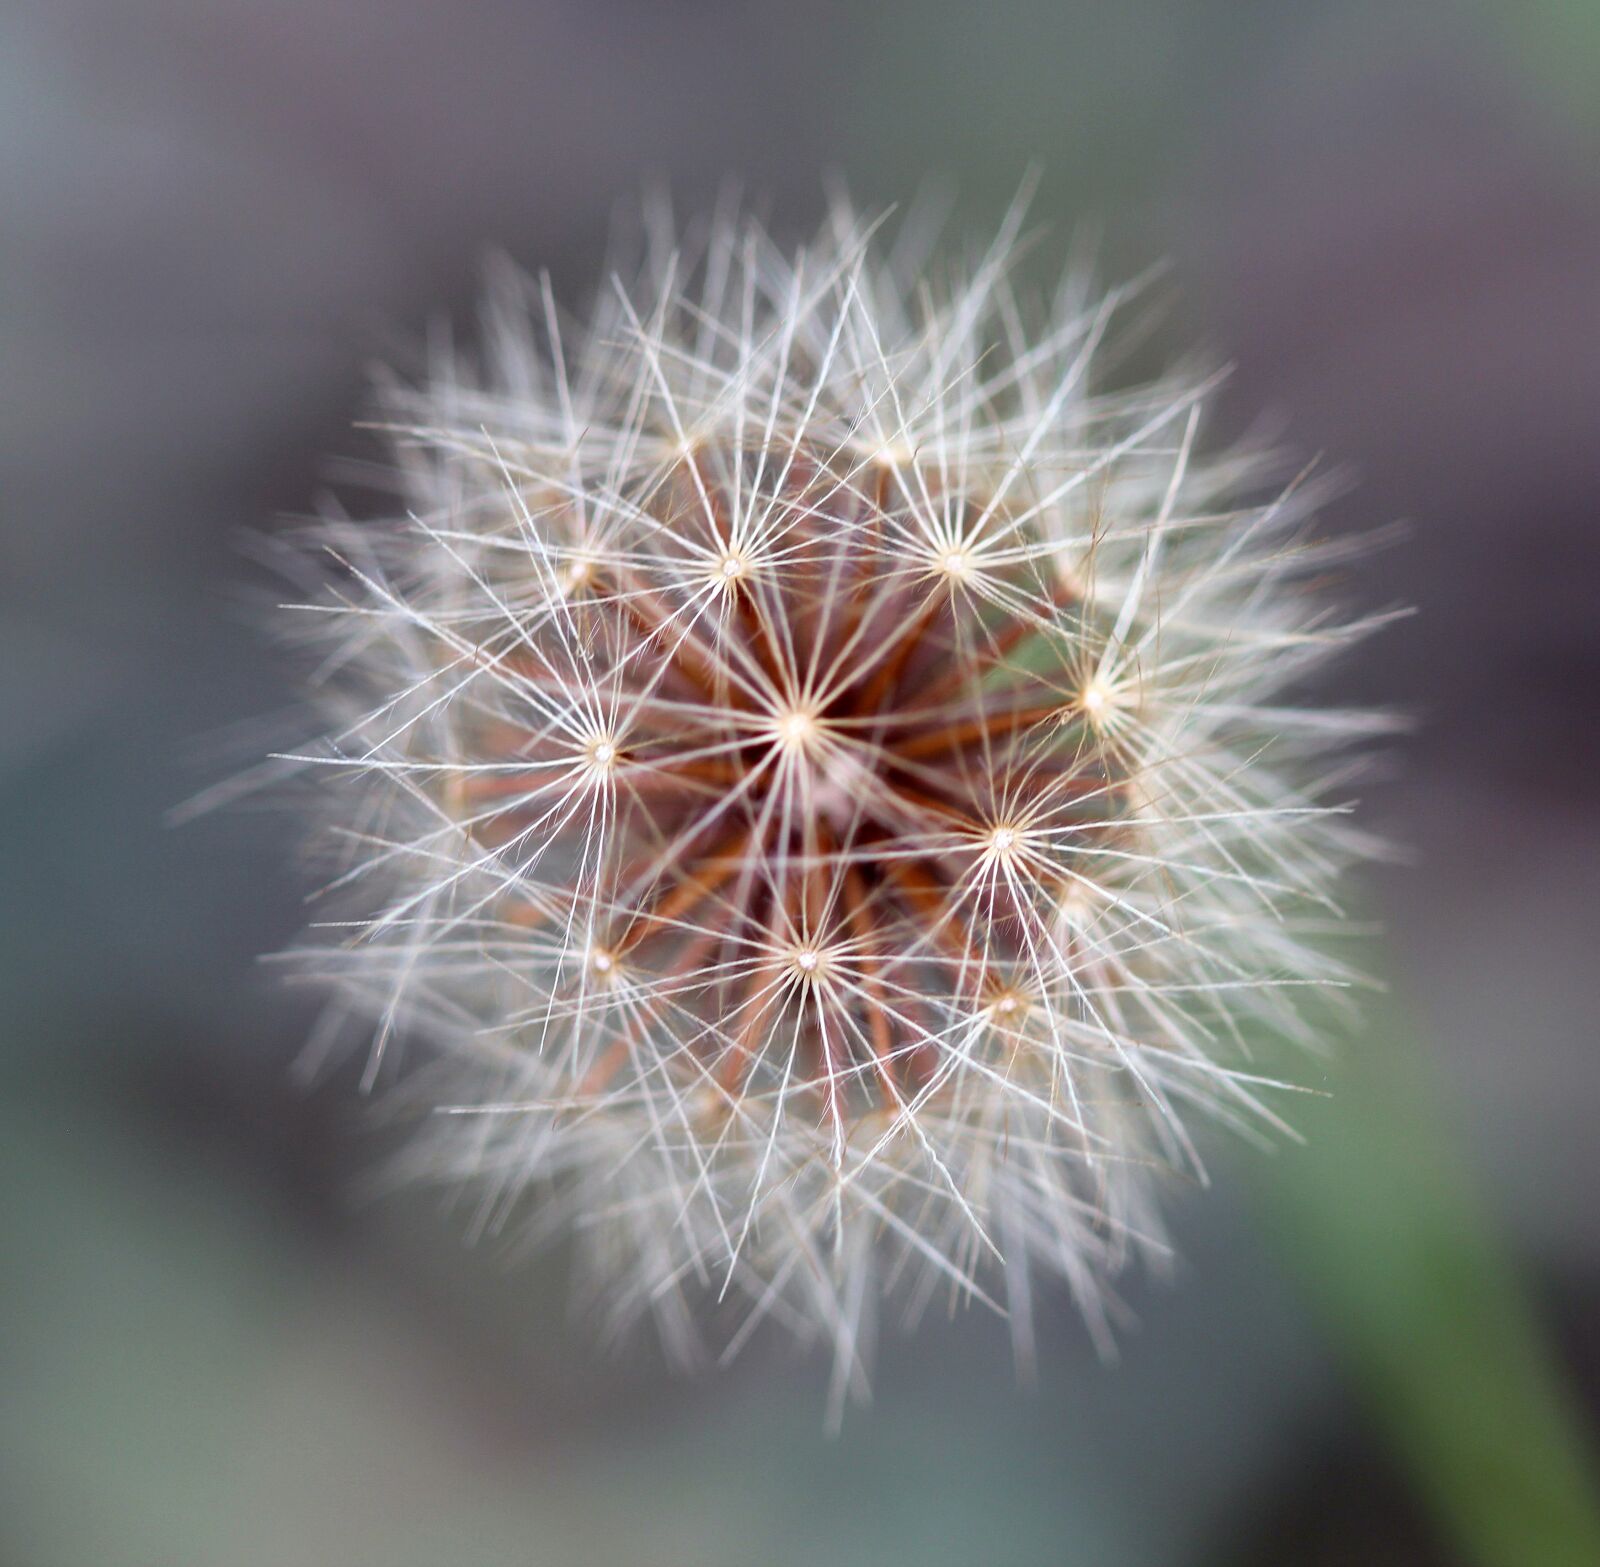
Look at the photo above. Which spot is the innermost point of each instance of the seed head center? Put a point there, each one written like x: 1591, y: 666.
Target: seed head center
x: 797, y: 729
x: 1008, y: 1004
x: 808, y: 962
x: 1096, y: 700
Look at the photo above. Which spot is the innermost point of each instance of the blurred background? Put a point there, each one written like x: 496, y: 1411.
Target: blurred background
x: 213, y: 215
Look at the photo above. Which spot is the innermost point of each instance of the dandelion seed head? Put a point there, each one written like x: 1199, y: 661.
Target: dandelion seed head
x: 807, y: 935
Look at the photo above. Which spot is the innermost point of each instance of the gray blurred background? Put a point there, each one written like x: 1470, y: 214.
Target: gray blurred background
x: 213, y: 216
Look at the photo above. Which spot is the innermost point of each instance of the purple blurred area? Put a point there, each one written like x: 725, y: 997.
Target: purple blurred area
x: 213, y: 218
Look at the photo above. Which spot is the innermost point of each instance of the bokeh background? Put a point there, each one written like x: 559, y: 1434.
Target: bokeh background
x: 213, y: 215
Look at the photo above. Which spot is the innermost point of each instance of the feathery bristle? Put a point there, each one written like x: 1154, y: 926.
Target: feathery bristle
x: 813, y: 765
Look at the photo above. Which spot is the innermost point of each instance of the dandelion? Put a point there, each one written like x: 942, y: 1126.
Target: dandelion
x: 814, y: 767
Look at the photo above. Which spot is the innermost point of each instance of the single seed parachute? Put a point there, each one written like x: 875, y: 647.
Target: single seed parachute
x: 815, y: 768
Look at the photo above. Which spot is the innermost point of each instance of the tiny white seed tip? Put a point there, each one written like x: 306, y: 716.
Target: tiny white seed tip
x: 1096, y: 699
x: 796, y: 729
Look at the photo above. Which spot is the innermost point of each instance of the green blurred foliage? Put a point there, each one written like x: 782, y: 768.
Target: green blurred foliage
x: 1400, y: 1259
